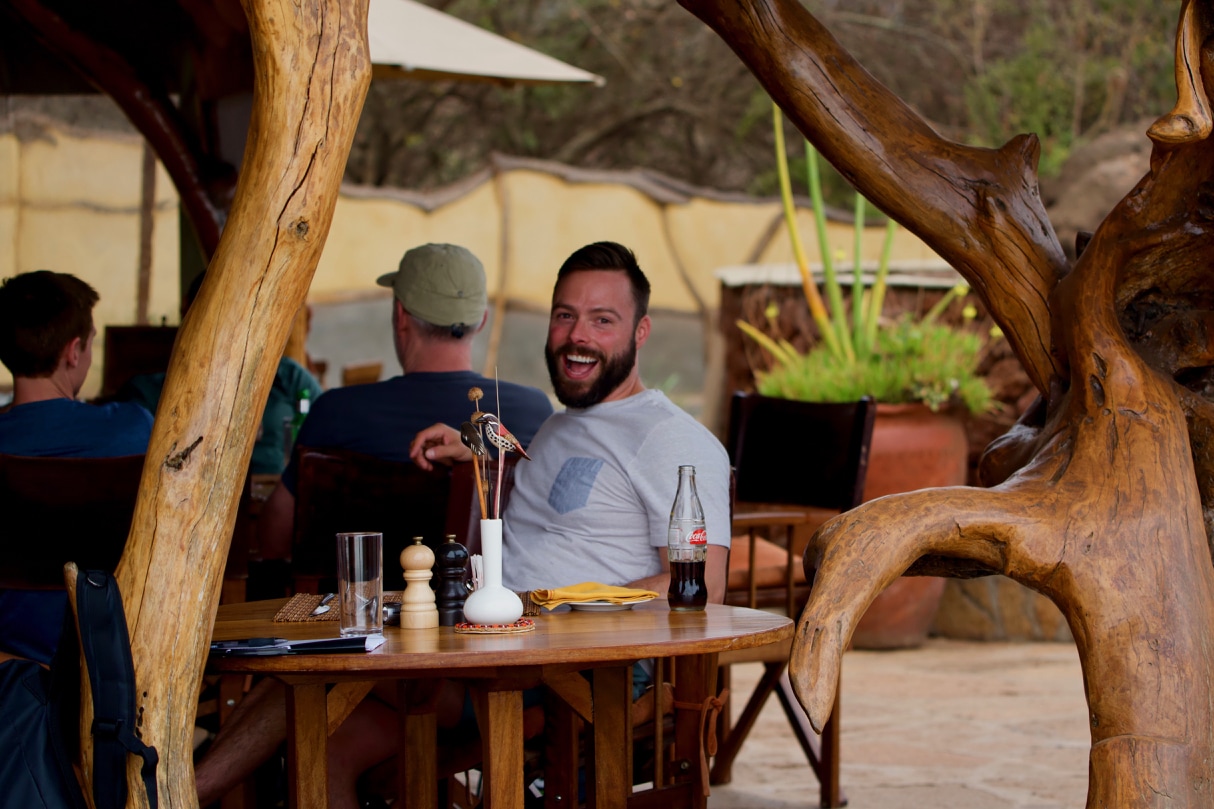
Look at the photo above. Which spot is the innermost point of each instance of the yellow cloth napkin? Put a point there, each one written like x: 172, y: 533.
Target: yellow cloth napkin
x: 590, y: 591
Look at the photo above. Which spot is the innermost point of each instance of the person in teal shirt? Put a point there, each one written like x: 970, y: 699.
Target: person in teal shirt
x: 270, y: 450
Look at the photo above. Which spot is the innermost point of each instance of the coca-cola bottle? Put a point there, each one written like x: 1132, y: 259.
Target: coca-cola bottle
x: 687, y: 546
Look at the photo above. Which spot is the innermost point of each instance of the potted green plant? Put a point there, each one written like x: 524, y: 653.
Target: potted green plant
x: 921, y: 370
x: 859, y: 351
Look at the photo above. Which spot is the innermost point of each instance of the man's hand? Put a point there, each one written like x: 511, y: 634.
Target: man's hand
x: 438, y: 444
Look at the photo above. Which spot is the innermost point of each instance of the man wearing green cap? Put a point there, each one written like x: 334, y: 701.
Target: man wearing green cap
x: 440, y: 304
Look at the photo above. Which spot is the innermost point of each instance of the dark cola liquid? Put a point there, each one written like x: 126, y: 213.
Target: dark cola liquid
x: 687, y: 588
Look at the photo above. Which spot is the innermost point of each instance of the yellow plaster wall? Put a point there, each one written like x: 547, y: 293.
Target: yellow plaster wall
x: 369, y: 235
x: 564, y: 217
x: 67, y: 170
x: 69, y: 201
x: 9, y: 169
x: 549, y: 216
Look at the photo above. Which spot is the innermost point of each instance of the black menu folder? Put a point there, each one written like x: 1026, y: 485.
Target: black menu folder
x: 260, y: 647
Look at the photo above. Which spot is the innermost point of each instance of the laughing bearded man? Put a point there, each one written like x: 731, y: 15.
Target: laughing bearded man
x: 594, y: 503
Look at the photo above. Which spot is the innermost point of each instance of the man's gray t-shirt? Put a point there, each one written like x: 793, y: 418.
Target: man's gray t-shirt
x: 594, y: 503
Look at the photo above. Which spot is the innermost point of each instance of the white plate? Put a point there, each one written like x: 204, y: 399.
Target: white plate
x: 604, y: 606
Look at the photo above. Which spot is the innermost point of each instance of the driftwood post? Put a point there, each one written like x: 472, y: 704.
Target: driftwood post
x: 312, y: 72
x: 1101, y: 497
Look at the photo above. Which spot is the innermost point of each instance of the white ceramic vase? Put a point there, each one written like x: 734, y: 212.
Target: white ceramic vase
x: 492, y: 603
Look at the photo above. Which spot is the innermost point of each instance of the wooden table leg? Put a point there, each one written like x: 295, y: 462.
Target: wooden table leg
x: 417, y: 762
x: 561, y: 731
x: 500, y: 717
x: 307, y: 745
x: 695, y: 682
x: 609, y: 776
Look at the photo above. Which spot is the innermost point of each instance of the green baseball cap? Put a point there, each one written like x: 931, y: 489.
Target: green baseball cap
x: 443, y: 284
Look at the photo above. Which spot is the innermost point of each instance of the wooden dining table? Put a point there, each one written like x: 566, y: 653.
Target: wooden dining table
x: 497, y: 668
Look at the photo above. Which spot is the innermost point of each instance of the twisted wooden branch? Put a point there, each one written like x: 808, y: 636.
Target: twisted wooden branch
x: 312, y: 72
x: 1101, y: 487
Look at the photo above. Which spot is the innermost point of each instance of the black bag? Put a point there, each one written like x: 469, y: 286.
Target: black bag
x: 35, y: 754
x: 40, y: 710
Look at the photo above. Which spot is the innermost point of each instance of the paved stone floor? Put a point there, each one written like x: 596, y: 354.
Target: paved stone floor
x: 952, y: 725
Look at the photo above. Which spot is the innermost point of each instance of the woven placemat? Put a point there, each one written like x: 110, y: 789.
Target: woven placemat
x: 299, y: 607
x: 521, y: 625
x: 530, y: 608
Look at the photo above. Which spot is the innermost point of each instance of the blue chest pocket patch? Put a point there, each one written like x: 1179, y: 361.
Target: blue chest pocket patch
x: 571, y: 489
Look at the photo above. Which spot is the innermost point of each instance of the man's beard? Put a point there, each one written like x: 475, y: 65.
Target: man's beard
x: 612, y: 371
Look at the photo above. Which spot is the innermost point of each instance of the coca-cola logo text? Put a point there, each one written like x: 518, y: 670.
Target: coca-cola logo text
x: 698, y: 537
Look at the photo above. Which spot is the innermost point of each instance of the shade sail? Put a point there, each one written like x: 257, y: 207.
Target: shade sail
x: 412, y: 40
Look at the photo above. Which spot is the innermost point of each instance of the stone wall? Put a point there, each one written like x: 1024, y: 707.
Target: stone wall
x: 997, y: 608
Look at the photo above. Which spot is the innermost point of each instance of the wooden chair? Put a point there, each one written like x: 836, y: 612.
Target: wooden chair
x: 318, y: 369
x: 59, y: 510
x: 64, y: 509
x: 80, y: 510
x: 794, y: 463
x: 361, y: 373
x: 245, y: 545
x: 340, y: 490
x: 133, y: 350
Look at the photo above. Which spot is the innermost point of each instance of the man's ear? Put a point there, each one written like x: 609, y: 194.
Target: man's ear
x: 71, y: 353
x: 642, y: 331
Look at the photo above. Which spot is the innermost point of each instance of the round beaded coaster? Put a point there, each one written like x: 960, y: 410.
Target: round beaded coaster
x: 521, y: 625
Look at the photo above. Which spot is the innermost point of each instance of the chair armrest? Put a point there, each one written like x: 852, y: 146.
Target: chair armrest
x: 746, y: 520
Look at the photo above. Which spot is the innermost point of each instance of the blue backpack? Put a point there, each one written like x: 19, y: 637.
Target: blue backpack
x: 40, y: 711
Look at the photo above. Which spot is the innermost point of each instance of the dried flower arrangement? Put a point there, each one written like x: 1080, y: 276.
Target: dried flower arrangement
x: 473, y: 433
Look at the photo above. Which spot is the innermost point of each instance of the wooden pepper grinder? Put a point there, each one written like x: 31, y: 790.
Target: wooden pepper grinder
x: 452, y: 568
x: 417, y: 609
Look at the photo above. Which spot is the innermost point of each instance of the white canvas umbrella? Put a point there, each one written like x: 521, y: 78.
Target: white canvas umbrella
x: 412, y: 40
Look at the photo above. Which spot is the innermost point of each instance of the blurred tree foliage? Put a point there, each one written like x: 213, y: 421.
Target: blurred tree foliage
x: 678, y: 101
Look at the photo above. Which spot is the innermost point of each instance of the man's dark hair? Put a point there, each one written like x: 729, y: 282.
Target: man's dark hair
x: 40, y: 313
x: 611, y: 256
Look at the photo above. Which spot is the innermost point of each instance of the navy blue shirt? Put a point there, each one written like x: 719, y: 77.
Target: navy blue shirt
x: 31, y: 620
x: 381, y: 418
x: 65, y: 428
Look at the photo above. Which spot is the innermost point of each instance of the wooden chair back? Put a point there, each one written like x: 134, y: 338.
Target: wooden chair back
x: 57, y: 510
x: 795, y: 465
x: 361, y: 373
x: 340, y: 490
x: 789, y: 456
x: 800, y: 453
x: 133, y: 350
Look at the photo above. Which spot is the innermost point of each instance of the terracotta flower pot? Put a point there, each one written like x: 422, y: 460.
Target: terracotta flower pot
x: 913, y: 448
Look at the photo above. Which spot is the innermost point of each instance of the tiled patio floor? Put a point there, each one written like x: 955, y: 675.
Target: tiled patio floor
x: 952, y: 725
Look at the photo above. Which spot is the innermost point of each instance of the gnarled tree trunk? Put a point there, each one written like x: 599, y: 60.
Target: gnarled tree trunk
x: 1097, y: 495
x: 312, y: 72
